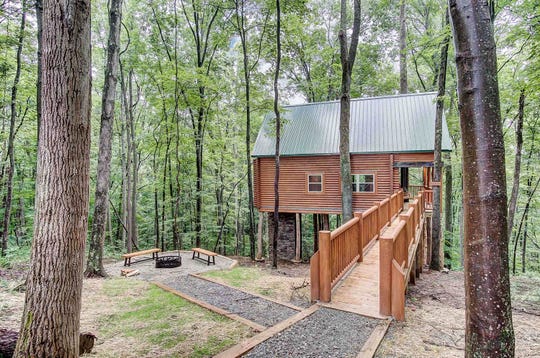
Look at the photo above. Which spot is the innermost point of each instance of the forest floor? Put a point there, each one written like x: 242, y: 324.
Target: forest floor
x: 434, y: 325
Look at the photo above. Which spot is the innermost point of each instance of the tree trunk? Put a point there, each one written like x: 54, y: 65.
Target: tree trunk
x: 126, y: 172
x: 448, y: 212
x: 436, y: 230
x: 242, y: 31
x: 275, y: 235
x: 348, y: 55
x: 134, y: 165
x: 11, y: 136
x: 403, y: 88
x: 39, y: 21
x: 530, y: 194
x: 94, y: 264
x: 489, y: 331
x: 517, y: 164
x: 50, y: 322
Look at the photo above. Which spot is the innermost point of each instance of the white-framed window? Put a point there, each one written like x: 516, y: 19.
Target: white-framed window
x: 363, y: 183
x: 315, y: 183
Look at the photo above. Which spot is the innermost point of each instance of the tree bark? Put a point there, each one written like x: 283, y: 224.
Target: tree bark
x: 348, y: 55
x: 403, y: 88
x: 523, y: 221
x: 489, y: 331
x: 39, y: 22
x: 11, y: 136
x: 242, y: 31
x: 50, y: 322
x: 436, y: 230
x: 517, y: 164
x: 448, y: 212
x: 94, y: 264
x: 275, y: 235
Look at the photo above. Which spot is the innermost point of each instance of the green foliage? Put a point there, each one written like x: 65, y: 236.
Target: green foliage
x: 159, y: 50
x: 15, y: 255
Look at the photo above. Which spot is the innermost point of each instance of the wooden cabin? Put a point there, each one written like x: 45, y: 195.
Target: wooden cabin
x: 388, y: 136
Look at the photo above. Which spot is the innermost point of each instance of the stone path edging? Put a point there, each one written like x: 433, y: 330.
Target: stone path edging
x: 244, y: 347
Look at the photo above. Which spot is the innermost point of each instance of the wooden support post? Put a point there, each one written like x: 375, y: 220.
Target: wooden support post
x: 389, y: 213
x: 314, y: 271
x: 259, y: 256
x: 360, y: 226
x: 378, y: 217
x: 412, y: 272
x: 325, y: 222
x: 297, y: 252
x: 404, y: 247
x: 386, y: 248
x: 428, y: 235
x: 398, y: 292
x: 325, y: 255
x: 315, y: 233
x: 419, y: 256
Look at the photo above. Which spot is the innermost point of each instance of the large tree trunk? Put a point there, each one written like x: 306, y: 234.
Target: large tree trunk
x: 403, y: 88
x: 348, y: 55
x: 39, y: 22
x: 517, y: 164
x: 94, y: 265
x: 11, y: 137
x: 275, y: 235
x: 489, y: 331
x: 50, y: 322
x: 240, y: 23
x: 436, y: 231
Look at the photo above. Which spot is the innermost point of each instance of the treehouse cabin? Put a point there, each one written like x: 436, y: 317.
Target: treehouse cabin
x: 390, y: 137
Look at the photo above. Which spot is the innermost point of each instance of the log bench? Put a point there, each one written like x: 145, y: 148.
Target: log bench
x: 209, y: 254
x: 127, y: 257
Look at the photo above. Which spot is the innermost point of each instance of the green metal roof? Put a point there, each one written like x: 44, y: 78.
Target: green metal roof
x: 389, y: 124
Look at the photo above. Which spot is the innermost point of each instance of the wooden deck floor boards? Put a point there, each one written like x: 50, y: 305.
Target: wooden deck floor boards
x: 359, y: 290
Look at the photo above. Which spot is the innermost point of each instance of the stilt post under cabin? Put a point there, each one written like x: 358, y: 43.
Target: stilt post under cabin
x: 325, y: 222
x: 315, y: 232
x: 298, y: 231
x: 259, y: 256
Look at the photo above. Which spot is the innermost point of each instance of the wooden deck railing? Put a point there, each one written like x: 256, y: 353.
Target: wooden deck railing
x: 399, y: 257
x: 340, y: 249
x: 413, y: 191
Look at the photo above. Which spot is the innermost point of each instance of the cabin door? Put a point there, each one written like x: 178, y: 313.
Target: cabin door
x: 404, y: 178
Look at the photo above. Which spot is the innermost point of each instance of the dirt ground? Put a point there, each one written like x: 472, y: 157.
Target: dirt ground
x: 435, y: 317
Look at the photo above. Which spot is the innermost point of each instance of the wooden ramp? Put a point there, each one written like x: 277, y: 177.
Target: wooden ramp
x: 358, y: 292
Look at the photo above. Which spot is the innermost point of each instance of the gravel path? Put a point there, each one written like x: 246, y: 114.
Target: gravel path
x: 325, y: 333
x: 264, y: 312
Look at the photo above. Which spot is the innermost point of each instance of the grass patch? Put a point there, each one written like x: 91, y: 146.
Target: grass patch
x: 236, y: 276
x: 164, y: 324
x: 15, y: 255
x: 526, y: 287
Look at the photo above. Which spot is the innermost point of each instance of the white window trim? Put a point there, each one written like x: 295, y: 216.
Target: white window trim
x: 362, y: 192
x: 308, y: 175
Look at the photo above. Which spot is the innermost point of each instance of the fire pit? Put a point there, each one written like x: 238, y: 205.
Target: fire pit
x: 168, y: 261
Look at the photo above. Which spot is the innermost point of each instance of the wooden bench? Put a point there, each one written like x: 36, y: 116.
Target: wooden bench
x: 209, y: 254
x: 127, y: 257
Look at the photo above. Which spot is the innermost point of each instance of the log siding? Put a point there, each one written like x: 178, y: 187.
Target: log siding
x: 293, y: 183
